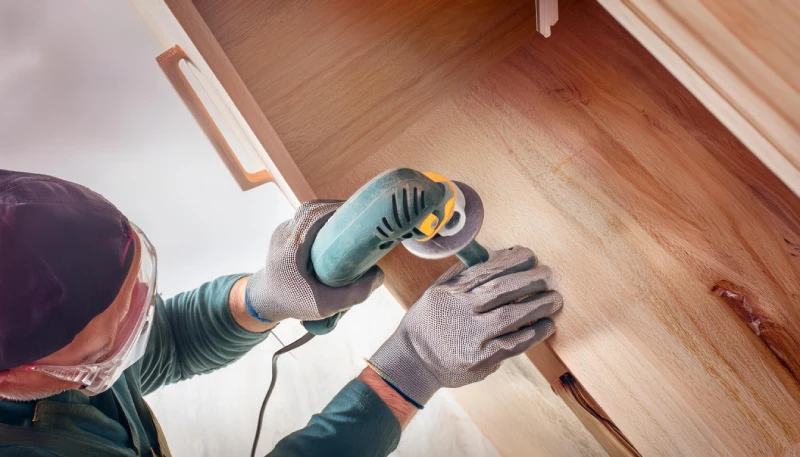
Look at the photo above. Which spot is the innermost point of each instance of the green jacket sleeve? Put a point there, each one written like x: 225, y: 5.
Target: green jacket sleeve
x: 356, y: 423
x: 194, y: 333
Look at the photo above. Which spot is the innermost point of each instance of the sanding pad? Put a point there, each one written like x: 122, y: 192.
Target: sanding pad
x: 471, y: 220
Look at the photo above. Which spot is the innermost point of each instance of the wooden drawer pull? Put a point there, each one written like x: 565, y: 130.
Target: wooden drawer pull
x: 169, y: 62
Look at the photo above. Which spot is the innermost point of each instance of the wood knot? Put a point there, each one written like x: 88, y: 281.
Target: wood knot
x: 764, y: 322
x: 739, y: 303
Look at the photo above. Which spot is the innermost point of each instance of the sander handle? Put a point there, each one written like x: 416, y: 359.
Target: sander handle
x: 473, y: 254
x: 398, y: 205
x: 323, y: 326
x: 374, y: 220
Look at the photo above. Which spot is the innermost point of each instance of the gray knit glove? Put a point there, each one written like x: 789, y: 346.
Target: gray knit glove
x: 468, y: 322
x: 288, y: 288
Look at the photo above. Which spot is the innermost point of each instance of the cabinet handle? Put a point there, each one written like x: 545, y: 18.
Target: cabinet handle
x: 169, y: 62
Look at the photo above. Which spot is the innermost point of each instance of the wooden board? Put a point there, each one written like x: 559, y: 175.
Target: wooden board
x: 741, y: 58
x: 583, y: 147
x: 339, y: 78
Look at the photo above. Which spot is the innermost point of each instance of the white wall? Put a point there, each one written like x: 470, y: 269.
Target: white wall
x: 82, y: 98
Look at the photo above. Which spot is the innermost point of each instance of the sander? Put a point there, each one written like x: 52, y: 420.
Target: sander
x: 430, y: 215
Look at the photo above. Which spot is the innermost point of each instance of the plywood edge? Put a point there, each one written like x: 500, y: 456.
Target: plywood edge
x: 580, y: 402
x: 772, y: 142
x: 610, y: 437
x: 178, y: 22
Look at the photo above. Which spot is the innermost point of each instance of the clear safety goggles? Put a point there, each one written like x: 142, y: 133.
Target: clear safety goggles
x: 132, y: 337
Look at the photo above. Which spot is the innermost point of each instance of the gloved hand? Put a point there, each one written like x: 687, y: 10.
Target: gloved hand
x: 468, y: 322
x: 288, y: 288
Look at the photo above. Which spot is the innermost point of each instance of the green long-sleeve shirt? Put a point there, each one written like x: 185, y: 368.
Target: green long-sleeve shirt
x: 193, y: 333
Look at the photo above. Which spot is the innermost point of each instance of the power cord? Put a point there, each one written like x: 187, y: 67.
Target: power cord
x: 294, y: 345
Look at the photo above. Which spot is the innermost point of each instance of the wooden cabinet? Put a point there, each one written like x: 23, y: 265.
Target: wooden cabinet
x: 678, y: 249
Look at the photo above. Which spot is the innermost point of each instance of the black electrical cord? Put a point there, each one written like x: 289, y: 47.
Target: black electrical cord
x: 296, y: 344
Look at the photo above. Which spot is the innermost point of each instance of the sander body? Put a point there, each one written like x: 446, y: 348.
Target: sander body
x: 430, y: 215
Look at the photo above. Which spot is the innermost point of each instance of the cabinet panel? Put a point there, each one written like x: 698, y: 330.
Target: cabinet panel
x: 586, y: 149
x: 678, y: 249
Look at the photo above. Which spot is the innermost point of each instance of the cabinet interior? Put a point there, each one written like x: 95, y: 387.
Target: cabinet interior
x: 679, y: 251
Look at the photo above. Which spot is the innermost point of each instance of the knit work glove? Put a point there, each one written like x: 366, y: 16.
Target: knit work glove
x: 288, y: 288
x: 467, y: 323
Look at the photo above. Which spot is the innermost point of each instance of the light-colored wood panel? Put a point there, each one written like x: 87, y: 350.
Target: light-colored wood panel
x: 691, y: 251
x: 740, y: 58
x: 339, y: 78
x: 586, y: 149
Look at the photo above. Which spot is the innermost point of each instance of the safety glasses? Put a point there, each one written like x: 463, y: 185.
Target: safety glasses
x: 132, y: 337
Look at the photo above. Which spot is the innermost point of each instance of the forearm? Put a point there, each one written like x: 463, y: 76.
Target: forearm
x: 196, y: 332
x: 402, y: 409
x: 356, y: 423
x: 241, y: 315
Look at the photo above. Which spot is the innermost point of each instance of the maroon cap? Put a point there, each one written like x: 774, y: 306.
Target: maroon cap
x: 64, y: 253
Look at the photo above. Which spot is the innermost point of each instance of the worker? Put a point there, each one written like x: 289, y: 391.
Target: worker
x: 83, y: 334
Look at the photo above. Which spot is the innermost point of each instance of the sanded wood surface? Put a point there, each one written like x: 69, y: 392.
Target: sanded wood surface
x: 586, y: 149
x: 610, y: 437
x: 339, y: 78
x: 741, y: 58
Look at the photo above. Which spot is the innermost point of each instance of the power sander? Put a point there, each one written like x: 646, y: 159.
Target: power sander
x: 430, y: 215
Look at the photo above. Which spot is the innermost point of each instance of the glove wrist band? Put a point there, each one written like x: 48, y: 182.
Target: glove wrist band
x: 253, y: 282
x: 404, y: 370
x: 394, y: 387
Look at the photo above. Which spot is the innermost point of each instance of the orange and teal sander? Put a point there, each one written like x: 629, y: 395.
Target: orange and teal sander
x: 430, y: 215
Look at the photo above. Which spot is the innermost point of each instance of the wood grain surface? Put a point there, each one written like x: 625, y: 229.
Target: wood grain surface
x: 586, y: 149
x: 741, y: 58
x: 339, y: 78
